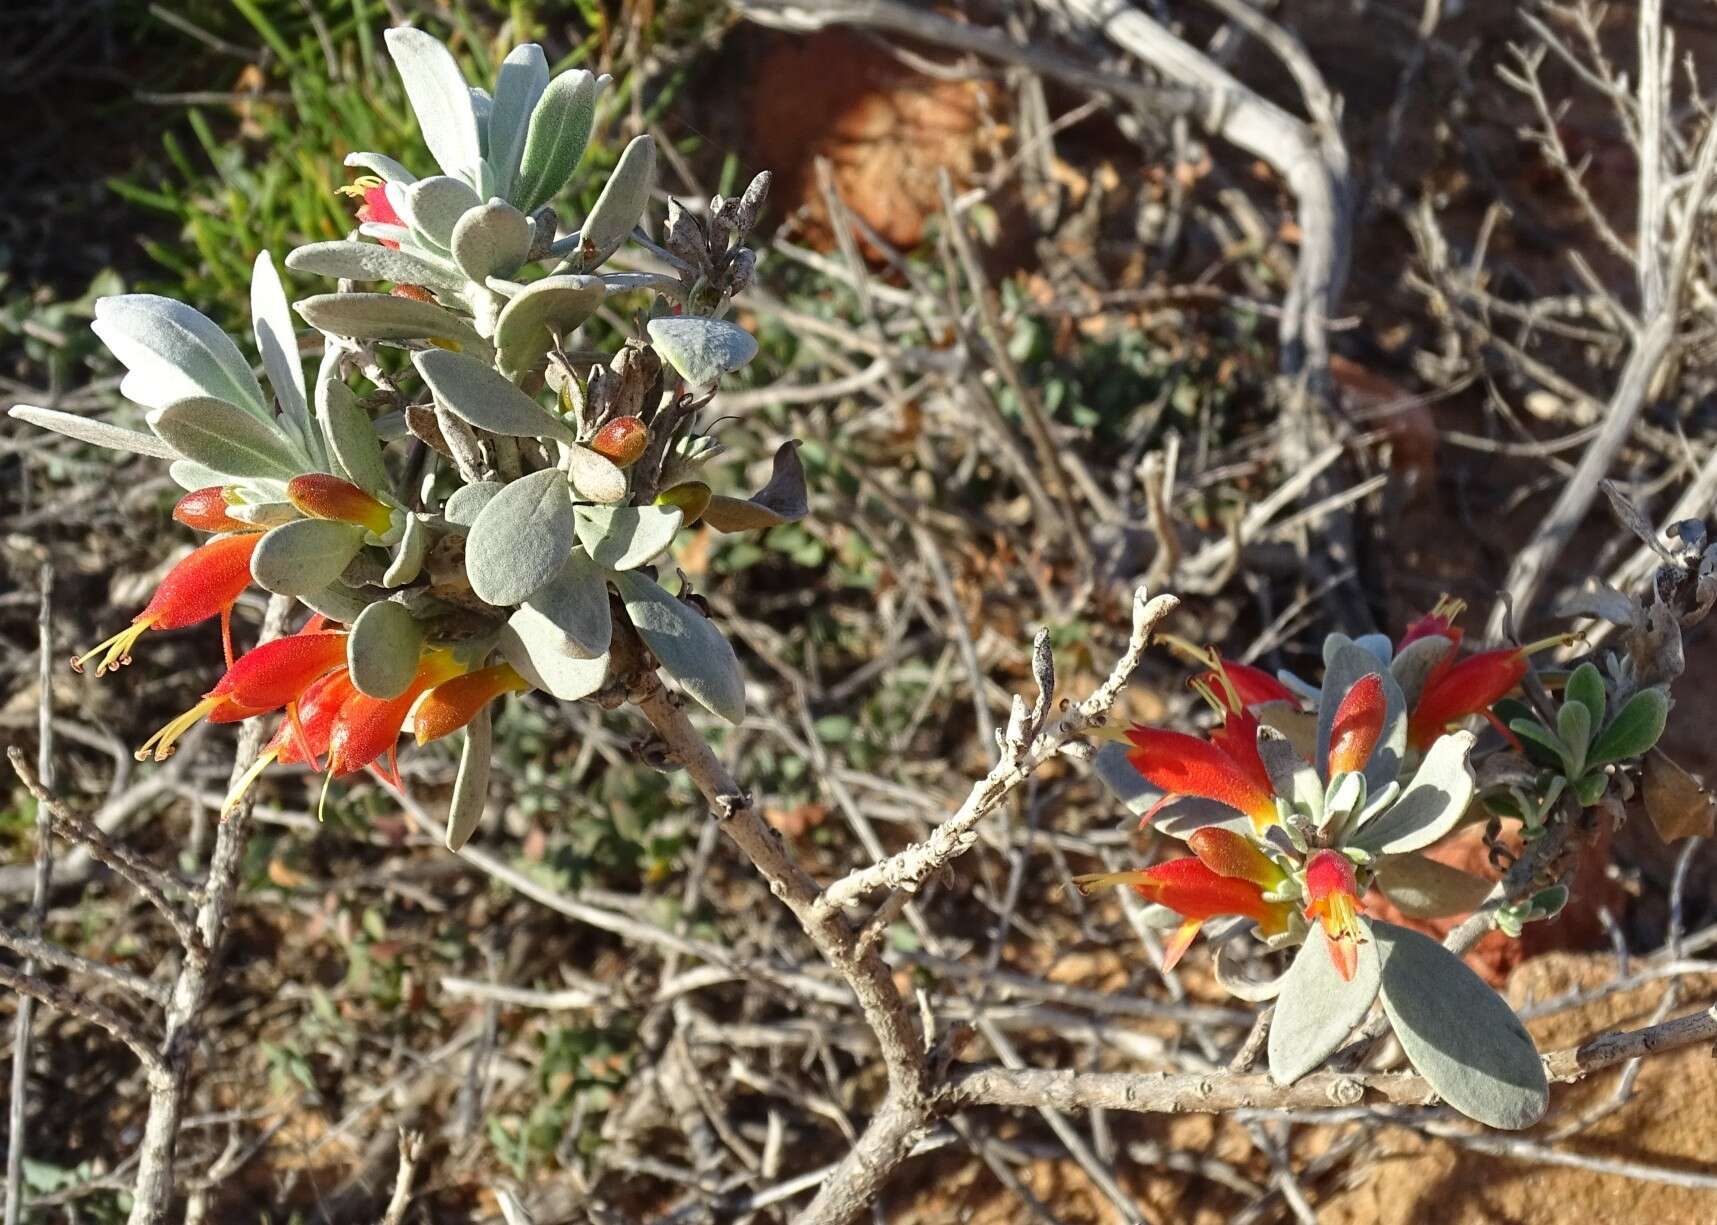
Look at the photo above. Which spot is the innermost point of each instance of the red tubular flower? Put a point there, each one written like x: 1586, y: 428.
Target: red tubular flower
x: 376, y: 206
x: 321, y: 496
x: 1332, y: 898
x: 206, y: 583
x: 366, y: 727
x: 1357, y: 727
x: 303, y: 735
x: 267, y: 678
x: 1253, y: 686
x: 1470, y: 686
x: 1440, y: 620
x: 1197, y: 892
x: 1226, y: 769
x: 205, y: 510
x: 452, y: 704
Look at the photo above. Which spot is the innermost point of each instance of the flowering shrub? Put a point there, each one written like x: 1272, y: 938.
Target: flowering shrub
x: 458, y: 538
x: 1303, y: 798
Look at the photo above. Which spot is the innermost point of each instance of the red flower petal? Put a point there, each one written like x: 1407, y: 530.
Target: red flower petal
x: 1185, y: 765
x: 1357, y: 726
x: 1461, y: 689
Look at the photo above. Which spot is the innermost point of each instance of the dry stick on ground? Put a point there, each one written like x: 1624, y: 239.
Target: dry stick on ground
x: 1664, y: 260
x: 20, y: 1093
x: 913, y: 1074
x: 169, y: 1079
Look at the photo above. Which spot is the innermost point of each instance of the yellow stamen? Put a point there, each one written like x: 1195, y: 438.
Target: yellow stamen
x: 1567, y: 639
x: 117, y: 648
x: 162, y: 742
x: 1103, y: 880
x: 1449, y: 608
x: 237, y: 794
x: 359, y: 185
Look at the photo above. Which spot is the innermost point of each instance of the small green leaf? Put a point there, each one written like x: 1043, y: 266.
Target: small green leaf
x: 465, y: 503
x: 618, y: 208
x: 1316, y: 1008
x: 1635, y: 730
x: 1459, y: 1034
x: 538, y: 313
x: 519, y: 86
x: 555, y: 138
x: 1586, y: 686
x: 1550, y: 752
x: 1574, y: 730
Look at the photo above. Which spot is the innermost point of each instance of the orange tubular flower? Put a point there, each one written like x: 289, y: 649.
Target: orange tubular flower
x: 452, y: 704
x: 1195, y: 891
x: 367, y: 728
x: 206, y: 583
x: 1332, y: 898
x: 321, y: 496
x: 205, y: 510
x: 1357, y: 727
x: 273, y: 675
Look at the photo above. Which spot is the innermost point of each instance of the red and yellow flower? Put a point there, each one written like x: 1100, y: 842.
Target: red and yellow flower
x: 1332, y: 899
x: 1229, y: 876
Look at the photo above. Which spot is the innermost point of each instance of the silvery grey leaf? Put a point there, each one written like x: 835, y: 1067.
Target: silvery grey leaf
x: 529, y: 323
x: 521, y: 539
x: 379, y: 163
x: 594, y: 476
x: 625, y: 537
x: 476, y: 393
x: 491, y: 240
x: 481, y: 105
x: 380, y: 316
x: 95, y: 431
x: 555, y: 138
x: 439, y: 97
x: 277, y: 343
x: 173, y: 352
x: 1123, y: 781
x: 688, y: 644
x: 1459, y: 1034
x: 471, y: 784
x: 1186, y: 814
x: 519, y: 86
x: 1422, y: 888
x: 1412, y: 666
x: 407, y: 561
x: 575, y: 604
x: 303, y: 557
x: 701, y: 350
x: 339, y: 602
x: 1430, y: 806
x: 1316, y: 1008
x: 1348, y: 663
x: 618, y: 208
x: 1233, y: 976
x: 264, y: 514
x: 226, y: 439
x: 368, y: 261
x: 1291, y: 776
x: 188, y: 474
x: 538, y: 651
x: 433, y: 207
x: 382, y: 649
x: 464, y: 503
x: 347, y: 430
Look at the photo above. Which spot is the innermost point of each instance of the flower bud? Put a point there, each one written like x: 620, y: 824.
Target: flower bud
x: 321, y: 496
x: 622, y: 441
x: 205, y: 510
x: 452, y: 704
x: 692, y: 498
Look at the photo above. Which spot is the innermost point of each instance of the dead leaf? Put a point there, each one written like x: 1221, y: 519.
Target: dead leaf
x: 1677, y: 803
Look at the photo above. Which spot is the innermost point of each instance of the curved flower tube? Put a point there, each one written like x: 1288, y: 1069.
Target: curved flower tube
x: 206, y: 583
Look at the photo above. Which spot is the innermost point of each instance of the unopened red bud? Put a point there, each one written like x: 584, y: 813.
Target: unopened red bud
x: 416, y: 293
x: 622, y: 440
x: 321, y: 496
x: 206, y: 510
